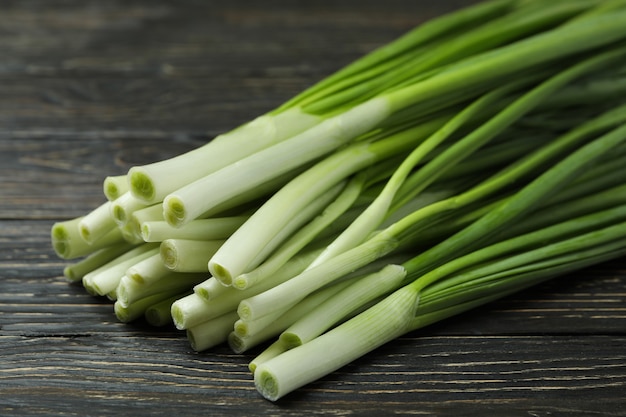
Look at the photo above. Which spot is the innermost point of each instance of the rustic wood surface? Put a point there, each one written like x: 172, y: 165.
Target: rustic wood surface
x: 90, y: 88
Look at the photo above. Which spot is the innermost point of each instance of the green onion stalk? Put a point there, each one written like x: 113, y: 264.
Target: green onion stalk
x: 464, y: 282
x: 608, y: 132
x: 389, y: 239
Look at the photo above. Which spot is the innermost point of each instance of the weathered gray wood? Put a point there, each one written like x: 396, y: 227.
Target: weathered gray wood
x: 183, y: 66
x: 464, y: 375
x: 61, y: 173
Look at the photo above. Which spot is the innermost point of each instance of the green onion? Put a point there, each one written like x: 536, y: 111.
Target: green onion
x: 158, y: 314
x: 311, y: 186
x: 389, y: 239
x: 76, y: 271
x: 248, y: 334
x: 126, y: 313
x: 68, y: 242
x: 204, y: 229
x: 97, y: 223
x: 129, y: 291
x: 149, y: 270
x: 184, y: 255
x: 212, y: 332
x: 115, y: 186
x: 123, y: 207
x: 410, y: 308
x: 477, y: 155
x: 105, y: 279
x: 201, y: 306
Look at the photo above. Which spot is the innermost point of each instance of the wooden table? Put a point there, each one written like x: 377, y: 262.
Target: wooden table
x: 90, y: 88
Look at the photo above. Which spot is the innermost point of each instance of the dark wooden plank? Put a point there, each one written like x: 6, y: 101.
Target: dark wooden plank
x: 191, y: 38
x: 188, y: 66
x: 61, y: 173
x: 430, y: 375
x: 197, y: 105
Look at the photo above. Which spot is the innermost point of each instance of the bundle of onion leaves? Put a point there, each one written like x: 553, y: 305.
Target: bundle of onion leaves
x: 477, y: 155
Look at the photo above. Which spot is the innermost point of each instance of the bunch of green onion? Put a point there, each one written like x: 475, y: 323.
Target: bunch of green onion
x: 481, y: 153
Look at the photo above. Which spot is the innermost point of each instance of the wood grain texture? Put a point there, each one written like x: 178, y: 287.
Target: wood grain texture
x: 128, y: 375
x: 91, y: 88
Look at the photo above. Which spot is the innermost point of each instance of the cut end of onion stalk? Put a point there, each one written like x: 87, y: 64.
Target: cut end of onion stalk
x: 241, y: 282
x: 58, y: 231
x: 145, y: 231
x: 202, y: 293
x: 88, y: 285
x: 290, y: 340
x: 70, y: 274
x: 64, y: 236
x: 123, y: 294
x: 220, y: 273
x: 122, y: 313
x: 178, y: 316
x: 193, y: 342
x: 119, y: 214
x: 241, y: 328
x: 141, y: 185
x: 169, y: 254
x: 267, y: 384
x: 212, y: 332
x: 244, y: 311
x: 61, y: 248
x: 156, y: 318
x: 133, y: 274
x: 85, y: 232
x: 236, y: 343
x: 174, y: 211
x: 114, y: 186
